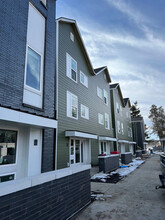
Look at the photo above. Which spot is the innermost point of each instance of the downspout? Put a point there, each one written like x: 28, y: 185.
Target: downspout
x: 57, y: 45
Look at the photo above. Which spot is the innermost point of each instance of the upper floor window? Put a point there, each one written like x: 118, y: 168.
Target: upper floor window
x: 83, y: 79
x: 120, y: 110
x: 118, y: 127
x: 33, y: 69
x: 72, y: 105
x: 72, y: 36
x: 117, y: 107
x: 100, y: 119
x: 84, y: 112
x: 71, y: 70
x: 107, y: 121
x: 105, y: 97
x: 122, y: 128
x: 99, y: 93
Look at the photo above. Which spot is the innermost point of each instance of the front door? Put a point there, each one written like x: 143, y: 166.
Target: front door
x: 76, y: 151
x: 35, y: 149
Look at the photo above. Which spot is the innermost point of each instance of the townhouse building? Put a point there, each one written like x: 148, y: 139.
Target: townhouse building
x: 121, y: 119
x: 30, y: 187
x: 84, y: 116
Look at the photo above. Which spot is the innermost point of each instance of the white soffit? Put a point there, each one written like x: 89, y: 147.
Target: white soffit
x: 132, y: 142
x: 80, y: 134
x: 123, y: 141
x: 101, y: 138
x: 25, y: 118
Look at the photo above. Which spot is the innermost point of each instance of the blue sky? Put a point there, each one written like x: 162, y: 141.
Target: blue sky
x: 127, y: 36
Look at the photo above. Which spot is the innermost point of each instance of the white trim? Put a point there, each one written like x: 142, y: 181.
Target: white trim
x: 86, y: 112
x: 80, y: 134
x: 27, y: 182
x: 145, y: 142
x: 25, y: 118
x: 132, y: 142
x: 123, y: 141
x: 162, y: 139
x: 101, y: 138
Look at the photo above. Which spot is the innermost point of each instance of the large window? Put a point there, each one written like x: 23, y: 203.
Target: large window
x: 76, y: 151
x: 8, y: 143
x: 33, y: 69
x: 84, y: 112
x: 117, y: 107
x: 100, y: 119
x: 72, y: 105
x: 118, y: 127
x: 103, y: 148
x: 107, y: 121
x: 99, y: 93
x: 83, y: 79
x: 71, y: 70
x: 122, y: 128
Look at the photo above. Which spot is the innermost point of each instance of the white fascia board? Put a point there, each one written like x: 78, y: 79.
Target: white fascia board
x: 25, y: 118
x: 80, y: 134
x: 132, y: 142
x: 123, y: 141
x: 101, y: 138
x: 145, y: 142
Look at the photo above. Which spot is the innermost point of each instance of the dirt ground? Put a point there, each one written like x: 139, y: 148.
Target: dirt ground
x: 133, y: 198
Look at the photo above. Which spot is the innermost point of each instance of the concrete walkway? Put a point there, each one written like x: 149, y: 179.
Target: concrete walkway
x: 133, y: 198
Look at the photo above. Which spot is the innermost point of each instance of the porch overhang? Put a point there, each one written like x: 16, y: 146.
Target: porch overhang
x: 102, y: 138
x: 132, y: 142
x: 80, y: 134
x: 145, y: 143
x: 123, y: 141
x: 10, y: 115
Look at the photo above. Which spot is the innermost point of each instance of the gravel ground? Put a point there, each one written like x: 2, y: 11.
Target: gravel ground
x: 134, y: 197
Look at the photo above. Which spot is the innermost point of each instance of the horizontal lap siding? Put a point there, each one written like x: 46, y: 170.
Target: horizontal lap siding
x: 57, y: 199
x: 86, y: 96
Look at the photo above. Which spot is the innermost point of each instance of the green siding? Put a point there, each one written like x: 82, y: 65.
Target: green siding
x: 86, y: 96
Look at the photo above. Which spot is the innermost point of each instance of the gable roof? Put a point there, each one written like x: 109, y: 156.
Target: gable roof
x: 117, y: 86
x: 73, y: 22
x: 127, y: 100
x: 100, y: 70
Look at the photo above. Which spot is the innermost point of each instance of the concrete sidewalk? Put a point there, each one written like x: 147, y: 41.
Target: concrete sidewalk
x: 134, y: 197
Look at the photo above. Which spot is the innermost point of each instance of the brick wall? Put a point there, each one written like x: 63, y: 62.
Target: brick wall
x: 57, y: 199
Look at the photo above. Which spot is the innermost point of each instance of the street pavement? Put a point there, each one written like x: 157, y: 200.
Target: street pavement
x: 133, y: 198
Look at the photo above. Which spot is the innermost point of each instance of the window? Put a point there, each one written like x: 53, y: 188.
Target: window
x: 107, y: 121
x: 103, y: 148
x: 129, y: 131
x: 71, y: 71
x: 105, y: 97
x: 34, y: 63
x: 118, y: 127
x: 8, y: 143
x: 100, y: 119
x: 84, y: 112
x: 99, y: 93
x: 72, y: 36
x: 72, y: 105
x: 5, y: 178
x: 83, y: 79
x: 122, y: 128
x: 33, y: 69
x: 117, y: 107
x: 120, y: 110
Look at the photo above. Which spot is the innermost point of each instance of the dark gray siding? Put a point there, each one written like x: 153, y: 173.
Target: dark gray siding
x: 86, y: 96
x: 56, y: 200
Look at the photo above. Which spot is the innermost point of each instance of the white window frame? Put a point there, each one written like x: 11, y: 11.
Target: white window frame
x: 105, y: 97
x: 73, y: 157
x: 117, y: 107
x: 99, y: 92
x: 69, y: 67
x: 118, y: 127
x: 104, y: 147
x: 107, y: 116
x: 122, y: 128
x: 69, y: 97
x: 72, y: 36
x: 85, y: 83
x: 100, y: 119
x: 31, y: 89
x: 86, y: 112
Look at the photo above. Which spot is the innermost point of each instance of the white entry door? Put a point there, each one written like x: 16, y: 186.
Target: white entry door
x: 76, y: 151
x: 35, y: 149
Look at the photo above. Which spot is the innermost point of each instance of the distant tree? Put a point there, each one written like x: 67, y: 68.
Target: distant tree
x: 135, y: 111
x: 146, y: 132
x: 157, y: 116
